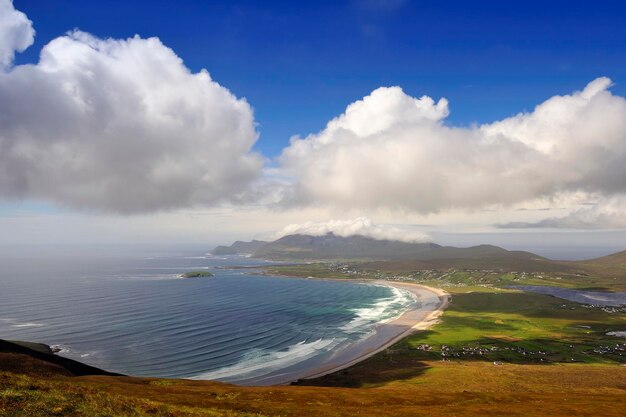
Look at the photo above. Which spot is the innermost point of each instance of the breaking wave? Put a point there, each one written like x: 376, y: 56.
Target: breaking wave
x: 382, y: 311
x: 260, y: 362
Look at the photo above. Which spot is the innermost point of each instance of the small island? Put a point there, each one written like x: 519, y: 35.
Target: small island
x: 196, y: 274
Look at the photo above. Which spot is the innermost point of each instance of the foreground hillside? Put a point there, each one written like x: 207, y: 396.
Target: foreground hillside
x: 431, y: 388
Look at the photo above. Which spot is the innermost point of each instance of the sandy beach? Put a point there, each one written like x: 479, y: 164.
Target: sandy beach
x: 432, y: 303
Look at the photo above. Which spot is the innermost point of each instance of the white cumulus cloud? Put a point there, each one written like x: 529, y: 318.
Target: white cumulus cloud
x: 393, y: 151
x: 121, y: 126
x: 16, y: 32
x: 361, y: 226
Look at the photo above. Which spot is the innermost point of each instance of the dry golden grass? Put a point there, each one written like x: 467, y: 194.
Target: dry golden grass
x: 431, y: 389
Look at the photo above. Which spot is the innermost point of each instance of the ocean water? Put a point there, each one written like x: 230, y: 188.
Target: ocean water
x: 134, y: 315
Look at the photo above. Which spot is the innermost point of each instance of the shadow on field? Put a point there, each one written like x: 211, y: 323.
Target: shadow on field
x: 391, y: 365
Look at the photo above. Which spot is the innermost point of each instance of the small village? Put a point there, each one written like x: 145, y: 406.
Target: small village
x: 448, y: 278
x: 449, y: 352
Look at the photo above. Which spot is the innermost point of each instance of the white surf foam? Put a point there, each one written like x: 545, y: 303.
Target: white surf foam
x: 60, y: 349
x: 260, y: 362
x: 383, y: 311
x: 20, y: 325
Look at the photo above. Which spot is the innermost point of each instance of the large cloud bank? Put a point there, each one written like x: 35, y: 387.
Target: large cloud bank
x: 120, y: 126
x: 16, y: 32
x: 360, y: 226
x: 390, y: 150
x: 123, y: 126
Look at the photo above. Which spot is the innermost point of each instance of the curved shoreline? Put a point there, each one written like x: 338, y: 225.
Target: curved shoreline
x: 395, y: 330
x: 431, y: 304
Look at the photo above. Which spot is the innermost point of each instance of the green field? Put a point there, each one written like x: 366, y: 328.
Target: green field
x: 590, y: 278
x: 488, y: 322
x: 522, y: 328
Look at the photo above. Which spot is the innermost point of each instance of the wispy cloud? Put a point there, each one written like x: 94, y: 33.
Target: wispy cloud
x: 609, y: 213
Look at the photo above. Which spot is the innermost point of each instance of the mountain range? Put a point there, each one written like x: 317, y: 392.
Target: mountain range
x: 330, y: 246
x: 398, y: 255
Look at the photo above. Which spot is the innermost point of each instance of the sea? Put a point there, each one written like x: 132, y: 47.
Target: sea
x: 135, y: 315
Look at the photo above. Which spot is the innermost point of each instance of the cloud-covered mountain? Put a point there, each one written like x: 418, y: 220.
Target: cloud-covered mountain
x: 361, y: 226
x: 299, y: 247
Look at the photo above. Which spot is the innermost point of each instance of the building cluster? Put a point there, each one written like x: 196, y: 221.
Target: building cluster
x: 617, y: 349
x: 446, y: 278
x: 606, y: 309
x: 448, y: 351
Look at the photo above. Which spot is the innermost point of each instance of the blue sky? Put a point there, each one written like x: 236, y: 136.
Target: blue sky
x: 110, y: 139
x: 300, y: 63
